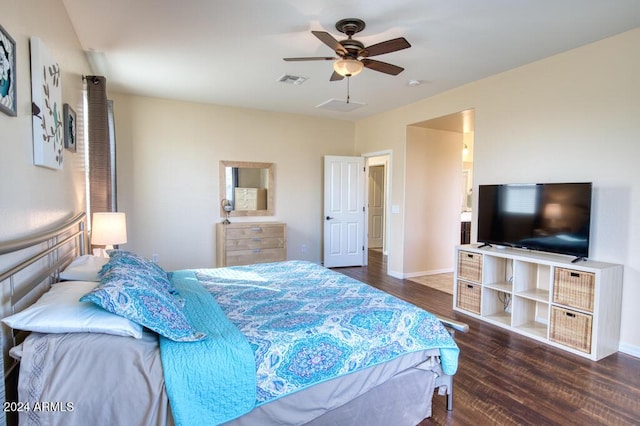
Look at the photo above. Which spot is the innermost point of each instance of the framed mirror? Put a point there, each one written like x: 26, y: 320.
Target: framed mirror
x: 247, y: 187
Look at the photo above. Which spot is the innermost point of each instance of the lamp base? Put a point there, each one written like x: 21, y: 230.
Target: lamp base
x: 102, y: 251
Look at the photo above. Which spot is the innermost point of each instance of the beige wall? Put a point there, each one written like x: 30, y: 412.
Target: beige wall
x: 33, y: 197
x: 432, y: 201
x: 167, y: 158
x: 570, y: 117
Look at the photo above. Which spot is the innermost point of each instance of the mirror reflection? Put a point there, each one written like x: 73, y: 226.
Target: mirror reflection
x: 248, y: 188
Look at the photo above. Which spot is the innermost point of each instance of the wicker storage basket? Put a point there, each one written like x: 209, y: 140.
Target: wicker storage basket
x: 571, y: 328
x: 468, y: 297
x: 470, y: 266
x: 574, y: 288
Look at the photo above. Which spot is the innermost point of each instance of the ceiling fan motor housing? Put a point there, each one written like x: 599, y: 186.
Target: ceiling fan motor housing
x: 353, y: 48
x: 350, y: 26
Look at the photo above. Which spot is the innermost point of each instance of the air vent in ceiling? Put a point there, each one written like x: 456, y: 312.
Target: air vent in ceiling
x: 341, y: 106
x: 292, y: 79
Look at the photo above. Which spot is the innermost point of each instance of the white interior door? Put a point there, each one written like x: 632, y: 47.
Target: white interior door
x: 344, y: 233
x: 376, y: 206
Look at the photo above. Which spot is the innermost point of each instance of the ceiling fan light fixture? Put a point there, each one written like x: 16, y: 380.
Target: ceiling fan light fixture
x: 348, y: 67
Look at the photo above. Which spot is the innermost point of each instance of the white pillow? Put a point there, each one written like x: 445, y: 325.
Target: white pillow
x: 60, y: 311
x: 84, y: 268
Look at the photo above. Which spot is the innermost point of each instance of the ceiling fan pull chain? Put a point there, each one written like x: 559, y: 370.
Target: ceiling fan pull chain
x: 348, y: 79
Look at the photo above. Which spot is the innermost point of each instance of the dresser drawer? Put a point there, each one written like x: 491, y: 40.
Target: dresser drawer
x: 245, y: 257
x: 255, y: 231
x: 253, y: 243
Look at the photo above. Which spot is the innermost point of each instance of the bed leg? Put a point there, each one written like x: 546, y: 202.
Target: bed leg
x: 450, y: 397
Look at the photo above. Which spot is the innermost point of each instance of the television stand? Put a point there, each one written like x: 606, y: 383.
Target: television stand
x: 547, y: 297
x: 578, y: 259
x: 485, y: 245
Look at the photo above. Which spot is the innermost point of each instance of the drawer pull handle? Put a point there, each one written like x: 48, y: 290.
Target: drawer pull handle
x: 570, y: 315
x: 575, y: 274
x: 257, y: 240
x: 470, y: 256
x: 257, y: 251
x: 256, y: 229
x: 469, y: 286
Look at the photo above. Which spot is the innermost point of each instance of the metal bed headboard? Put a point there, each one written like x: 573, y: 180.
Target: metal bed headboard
x: 54, y: 248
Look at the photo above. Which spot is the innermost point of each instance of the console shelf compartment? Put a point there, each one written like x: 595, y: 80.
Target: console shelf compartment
x: 495, y: 305
x: 547, y: 297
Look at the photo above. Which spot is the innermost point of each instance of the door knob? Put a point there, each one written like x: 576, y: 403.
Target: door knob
x: 329, y: 218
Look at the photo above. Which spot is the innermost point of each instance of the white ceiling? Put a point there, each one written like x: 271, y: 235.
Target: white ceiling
x: 229, y: 52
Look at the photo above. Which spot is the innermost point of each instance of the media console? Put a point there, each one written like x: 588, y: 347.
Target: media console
x: 575, y: 307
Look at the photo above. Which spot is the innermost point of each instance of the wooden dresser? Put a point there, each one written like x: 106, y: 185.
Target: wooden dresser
x: 251, y: 198
x: 250, y: 242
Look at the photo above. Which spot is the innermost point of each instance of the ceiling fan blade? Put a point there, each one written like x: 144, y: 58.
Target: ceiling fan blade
x: 330, y: 41
x: 336, y: 77
x: 385, y: 47
x: 382, y: 66
x: 311, y: 58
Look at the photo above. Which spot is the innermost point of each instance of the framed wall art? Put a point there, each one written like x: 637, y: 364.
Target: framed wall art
x: 46, y: 107
x: 7, y: 73
x: 69, y: 128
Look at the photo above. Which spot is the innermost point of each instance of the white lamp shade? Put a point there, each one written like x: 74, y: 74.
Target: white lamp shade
x: 347, y: 67
x: 108, y: 229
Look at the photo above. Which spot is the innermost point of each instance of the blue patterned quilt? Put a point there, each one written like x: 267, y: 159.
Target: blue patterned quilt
x: 308, y: 324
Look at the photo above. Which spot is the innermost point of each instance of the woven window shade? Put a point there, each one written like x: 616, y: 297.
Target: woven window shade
x: 101, y: 159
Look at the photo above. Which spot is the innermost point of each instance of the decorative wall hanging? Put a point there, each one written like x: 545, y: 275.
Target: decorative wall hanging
x: 69, y: 128
x: 46, y: 107
x: 7, y: 73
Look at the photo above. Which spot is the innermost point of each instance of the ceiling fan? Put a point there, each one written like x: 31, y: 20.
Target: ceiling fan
x: 352, y: 54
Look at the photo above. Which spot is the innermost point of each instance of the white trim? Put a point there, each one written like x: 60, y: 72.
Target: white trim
x: 433, y: 272
x: 628, y: 349
x: 388, y: 184
x: 394, y: 274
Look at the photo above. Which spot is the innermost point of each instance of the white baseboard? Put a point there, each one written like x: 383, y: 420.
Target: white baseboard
x: 401, y: 275
x: 422, y: 273
x: 395, y: 274
x: 629, y: 349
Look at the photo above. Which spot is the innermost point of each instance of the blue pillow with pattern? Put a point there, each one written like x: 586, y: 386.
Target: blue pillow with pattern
x: 127, y: 292
x: 154, y: 272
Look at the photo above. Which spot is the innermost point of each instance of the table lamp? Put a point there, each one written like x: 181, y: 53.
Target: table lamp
x: 108, y: 229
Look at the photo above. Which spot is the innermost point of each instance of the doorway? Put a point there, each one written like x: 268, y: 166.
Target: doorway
x: 376, y: 203
x: 438, y: 176
x: 378, y: 167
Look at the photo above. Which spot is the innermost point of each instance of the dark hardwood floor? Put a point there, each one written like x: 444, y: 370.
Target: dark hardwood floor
x: 506, y: 379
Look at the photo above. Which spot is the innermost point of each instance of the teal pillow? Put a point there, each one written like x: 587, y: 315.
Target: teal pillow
x: 128, y: 292
x: 154, y: 273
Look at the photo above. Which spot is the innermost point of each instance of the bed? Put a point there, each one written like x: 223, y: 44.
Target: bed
x: 281, y: 343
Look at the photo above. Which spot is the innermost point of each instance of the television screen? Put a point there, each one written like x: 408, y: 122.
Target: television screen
x: 553, y: 217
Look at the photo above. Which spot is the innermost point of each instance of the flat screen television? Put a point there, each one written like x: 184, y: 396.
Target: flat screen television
x: 551, y: 217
